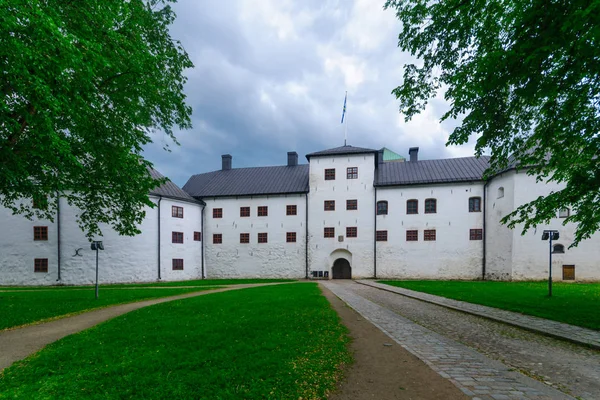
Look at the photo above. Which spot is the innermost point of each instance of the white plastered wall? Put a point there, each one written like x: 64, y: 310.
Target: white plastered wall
x: 499, y: 249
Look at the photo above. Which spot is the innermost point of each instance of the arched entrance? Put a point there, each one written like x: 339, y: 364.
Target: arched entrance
x: 341, y: 269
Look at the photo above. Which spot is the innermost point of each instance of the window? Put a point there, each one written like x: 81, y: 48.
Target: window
x: 430, y: 206
x: 568, y: 272
x: 177, y: 264
x: 217, y: 213
x: 500, y: 192
x: 217, y: 238
x: 177, y: 237
x: 244, y: 211
x: 329, y: 205
x: 351, y: 204
x: 244, y: 238
x: 330, y: 174
x: 382, y: 207
x: 352, y: 173
x: 262, y: 237
x: 290, y: 237
x: 558, y: 249
x: 291, y: 210
x: 177, y: 212
x: 381, y: 236
x: 198, y: 236
x: 328, y: 232
x: 40, y: 233
x: 40, y: 265
x: 412, y: 206
x: 476, y: 234
x: 412, y: 236
x: 474, y: 204
x: 563, y: 213
x: 351, y: 231
x: 263, y: 211
x: 429, y: 235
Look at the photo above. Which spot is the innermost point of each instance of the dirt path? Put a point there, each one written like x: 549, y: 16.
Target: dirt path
x: 382, y: 369
x: 19, y: 343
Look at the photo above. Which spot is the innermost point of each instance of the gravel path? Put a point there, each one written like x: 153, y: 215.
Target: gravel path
x: 445, y: 339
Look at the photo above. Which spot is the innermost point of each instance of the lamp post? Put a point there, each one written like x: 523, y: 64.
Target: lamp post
x: 97, y: 245
x: 550, y: 235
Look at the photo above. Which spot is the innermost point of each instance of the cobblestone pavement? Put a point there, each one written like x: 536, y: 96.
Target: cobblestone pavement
x: 476, y: 374
x: 552, y: 328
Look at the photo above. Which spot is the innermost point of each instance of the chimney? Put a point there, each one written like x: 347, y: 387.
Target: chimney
x: 226, y: 162
x: 292, y: 158
x: 413, y: 152
x: 380, y: 156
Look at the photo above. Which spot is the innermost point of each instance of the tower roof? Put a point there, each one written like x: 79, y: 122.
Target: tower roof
x: 341, y: 151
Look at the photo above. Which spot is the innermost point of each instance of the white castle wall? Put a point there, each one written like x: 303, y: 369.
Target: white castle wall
x: 274, y: 259
x: 358, y: 251
x: 452, y: 255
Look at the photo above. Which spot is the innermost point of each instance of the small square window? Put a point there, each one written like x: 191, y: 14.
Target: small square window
x: 476, y: 234
x: 263, y: 211
x: 217, y: 213
x: 352, y: 173
x: 412, y: 206
x: 475, y: 204
x: 563, y: 213
x: 178, y: 264
x: 328, y: 232
x: 290, y: 237
x: 217, y: 238
x: 177, y: 237
x: 177, y: 212
x: 262, y: 237
x: 198, y: 236
x: 330, y: 174
x: 351, y: 204
x: 244, y: 211
x: 291, y: 210
x: 40, y: 233
x: 412, y: 236
x: 244, y: 238
x: 40, y: 265
x: 351, y: 231
x: 381, y: 236
x: 429, y: 235
x: 329, y: 205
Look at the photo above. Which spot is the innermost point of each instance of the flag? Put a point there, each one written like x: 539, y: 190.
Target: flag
x: 344, y: 109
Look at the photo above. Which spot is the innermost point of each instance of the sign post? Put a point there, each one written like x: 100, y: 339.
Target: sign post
x: 97, y: 245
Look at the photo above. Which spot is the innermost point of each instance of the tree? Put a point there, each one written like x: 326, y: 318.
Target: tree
x: 525, y: 77
x: 83, y: 85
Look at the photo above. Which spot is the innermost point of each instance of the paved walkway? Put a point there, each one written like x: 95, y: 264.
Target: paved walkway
x: 576, y: 334
x: 475, y: 374
x: 16, y: 344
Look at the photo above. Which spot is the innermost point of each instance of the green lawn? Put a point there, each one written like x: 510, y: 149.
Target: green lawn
x: 277, y: 342
x: 22, y: 307
x: 572, y: 303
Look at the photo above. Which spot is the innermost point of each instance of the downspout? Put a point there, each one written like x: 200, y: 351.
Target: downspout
x: 202, y: 243
x: 483, y: 261
x: 306, y: 237
x: 58, y: 233
x: 375, y: 239
x: 159, y: 200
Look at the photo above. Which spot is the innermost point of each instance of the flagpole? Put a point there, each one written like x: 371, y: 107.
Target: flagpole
x: 346, y: 124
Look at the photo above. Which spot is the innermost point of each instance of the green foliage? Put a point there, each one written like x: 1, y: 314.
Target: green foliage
x: 83, y: 85
x: 524, y: 76
x: 571, y: 303
x: 20, y: 307
x: 277, y: 342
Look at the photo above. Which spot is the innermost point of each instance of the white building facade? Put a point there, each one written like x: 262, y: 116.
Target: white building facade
x: 349, y: 213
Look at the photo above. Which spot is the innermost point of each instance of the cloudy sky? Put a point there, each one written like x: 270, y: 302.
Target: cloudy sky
x: 270, y: 77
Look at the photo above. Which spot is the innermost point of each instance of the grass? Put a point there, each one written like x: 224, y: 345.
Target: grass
x: 25, y: 307
x: 277, y: 342
x: 572, y: 303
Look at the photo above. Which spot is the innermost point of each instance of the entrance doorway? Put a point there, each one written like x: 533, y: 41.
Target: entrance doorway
x: 341, y: 269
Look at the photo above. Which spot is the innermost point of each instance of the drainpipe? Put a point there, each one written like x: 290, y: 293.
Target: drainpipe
x: 484, y: 231
x: 375, y: 239
x: 202, y: 243
x: 159, y: 200
x: 58, y: 233
x: 306, y: 236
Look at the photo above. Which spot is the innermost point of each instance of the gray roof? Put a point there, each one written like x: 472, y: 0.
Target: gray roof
x: 342, y: 150
x: 249, y: 181
x: 169, y: 189
x: 432, y: 171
